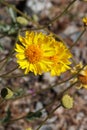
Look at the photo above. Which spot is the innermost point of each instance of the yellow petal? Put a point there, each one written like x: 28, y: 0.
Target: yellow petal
x: 19, y: 48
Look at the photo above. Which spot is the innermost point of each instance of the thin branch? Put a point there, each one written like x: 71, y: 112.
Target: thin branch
x: 48, y: 116
x: 78, y: 38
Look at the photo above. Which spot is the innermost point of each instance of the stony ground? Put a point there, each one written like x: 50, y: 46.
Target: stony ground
x: 69, y: 26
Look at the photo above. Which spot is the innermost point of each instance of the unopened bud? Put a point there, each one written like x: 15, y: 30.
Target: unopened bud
x: 6, y: 93
x: 22, y: 21
x: 67, y: 101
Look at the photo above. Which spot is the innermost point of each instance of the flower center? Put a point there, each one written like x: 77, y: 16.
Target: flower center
x: 33, y: 53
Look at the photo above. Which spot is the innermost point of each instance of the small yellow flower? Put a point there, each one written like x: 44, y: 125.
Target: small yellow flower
x: 85, y: 21
x: 82, y: 77
x: 29, y: 128
x: 76, y: 68
x: 60, y: 59
x: 67, y: 101
x: 34, y: 52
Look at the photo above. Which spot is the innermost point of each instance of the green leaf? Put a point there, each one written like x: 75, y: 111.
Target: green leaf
x: 8, y: 29
x: 33, y: 115
x: 19, y: 92
x: 7, y: 117
x: 12, y: 14
x: 4, y: 27
x: 1, y: 47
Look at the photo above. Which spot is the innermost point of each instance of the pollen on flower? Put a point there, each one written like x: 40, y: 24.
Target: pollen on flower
x: 33, y: 53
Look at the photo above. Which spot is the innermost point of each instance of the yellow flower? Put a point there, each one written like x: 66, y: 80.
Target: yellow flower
x: 40, y: 53
x: 76, y: 68
x: 85, y: 21
x: 82, y: 77
x: 34, y: 52
x: 29, y: 128
x: 60, y: 59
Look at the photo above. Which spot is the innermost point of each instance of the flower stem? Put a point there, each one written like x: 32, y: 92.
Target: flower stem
x: 46, y: 89
x: 45, y: 107
x: 63, y: 12
x: 78, y: 38
x: 18, y: 11
x: 48, y: 116
x: 58, y: 97
x: 51, y: 113
x: 38, y: 25
x: 3, y: 75
x: 10, y: 54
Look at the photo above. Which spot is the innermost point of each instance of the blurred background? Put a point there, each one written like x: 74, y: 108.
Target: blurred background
x: 69, y: 27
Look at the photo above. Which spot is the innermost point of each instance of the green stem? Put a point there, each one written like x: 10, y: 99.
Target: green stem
x: 38, y: 92
x: 11, y: 121
x: 53, y: 20
x: 15, y: 76
x: 27, y: 17
x: 57, y: 17
x: 3, y: 75
x: 48, y: 116
x: 65, y: 10
x: 78, y: 38
x: 6, y: 59
x: 60, y: 96
x: 11, y: 52
x: 52, y: 102
x: 45, y: 26
x: 3, y: 59
x: 18, y: 11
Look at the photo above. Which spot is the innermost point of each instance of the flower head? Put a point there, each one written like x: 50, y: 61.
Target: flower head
x: 76, y: 68
x: 33, y: 55
x: 82, y: 77
x: 29, y: 128
x: 60, y: 59
x: 85, y: 21
x: 41, y: 53
x: 67, y: 101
